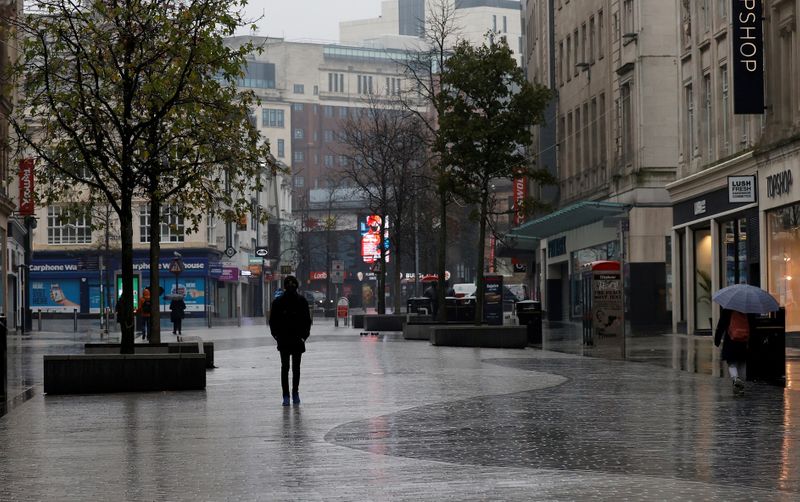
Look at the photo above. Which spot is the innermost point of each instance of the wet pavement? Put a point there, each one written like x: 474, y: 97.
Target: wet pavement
x: 384, y: 418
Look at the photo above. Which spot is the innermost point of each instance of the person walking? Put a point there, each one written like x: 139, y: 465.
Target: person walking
x: 733, y: 332
x: 432, y: 294
x: 177, y: 307
x: 290, y: 325
x: 144, y: 312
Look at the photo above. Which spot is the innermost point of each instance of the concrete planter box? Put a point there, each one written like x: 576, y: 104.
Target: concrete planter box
x: 418, y: 331
x: 384, y: 322
x: 501, y: 337
x: 358, y: 321
x: 160, y: 348
x: 95, y: 373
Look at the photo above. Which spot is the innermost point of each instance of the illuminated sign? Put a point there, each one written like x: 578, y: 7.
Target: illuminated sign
x: 370, y: 228
x: 520, y: 193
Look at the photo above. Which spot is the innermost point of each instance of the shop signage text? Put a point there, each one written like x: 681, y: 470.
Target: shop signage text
x: 779, y: 184
x: 26, y: 202
x: 741, y: 189
x: 748, y: 46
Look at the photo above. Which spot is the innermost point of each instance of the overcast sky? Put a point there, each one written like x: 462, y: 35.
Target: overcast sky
x: 309, y: 19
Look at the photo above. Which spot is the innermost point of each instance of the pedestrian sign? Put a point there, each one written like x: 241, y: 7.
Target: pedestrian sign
x: 176, y: 266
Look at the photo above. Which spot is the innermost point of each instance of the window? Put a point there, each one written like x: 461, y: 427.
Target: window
x: 705, y: 11
x: 271, y: 117
x: 298, y: 107
x: 627, y: 17
x: 584, y: 45
x: 327, y: 110
x: 299, y: 181
x: 172, y: 226
x: 505, y: 24
x: 211, y: 229
x: 561, y: 62
x: 299, y: 89
x: 595, y: 132
x: 316, y: 90
x: 342, y: 160
x: 328, y: 159
x: 298, y: 156
x: 364, y: 84
x: 722, y: 8
x: 281, y: 149
x: 725, y: 109
x: 494, y: 23
x: 342, y: 112
x: 575, y: 53
x: 327, y: 135
x: 66, y: 228
x: 708, y: 116
x: 626, y: 116
x: 602, y: 128
x: 592, y: 35
x: 600, y: 34
x: 335, y: 82
x: 299, y: 133
x: 567, y: 70
x: 260, y: 75
x: 689, y: 104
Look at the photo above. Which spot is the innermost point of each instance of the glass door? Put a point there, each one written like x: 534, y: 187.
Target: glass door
x: 733, y: 253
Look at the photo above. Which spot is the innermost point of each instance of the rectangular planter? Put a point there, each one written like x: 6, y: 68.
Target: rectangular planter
x: 159, y: 348
x: 103, y: 373
x: 501, y: 337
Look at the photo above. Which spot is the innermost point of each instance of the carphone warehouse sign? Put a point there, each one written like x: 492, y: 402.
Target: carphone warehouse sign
x: 748, y: 57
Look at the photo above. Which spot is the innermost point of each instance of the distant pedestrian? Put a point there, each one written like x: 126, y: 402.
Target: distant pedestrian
x: 144, y: 312
x: 290, y: 325
x: 733, y: 331
x: 177, y: 307
x: 432, y: 294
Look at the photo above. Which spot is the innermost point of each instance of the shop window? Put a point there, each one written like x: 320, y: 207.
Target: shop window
x: 702, y: 279
x: 172, y: 225
x: 783, y: 245
x: 733, y: 241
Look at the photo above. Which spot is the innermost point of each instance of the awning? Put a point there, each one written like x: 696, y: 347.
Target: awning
x: 567, y: 218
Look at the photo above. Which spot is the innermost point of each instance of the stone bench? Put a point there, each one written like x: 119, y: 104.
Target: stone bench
x: 103, y: 373
x: 501, y: 337
x: 187, y: 347
x: 357, y: 321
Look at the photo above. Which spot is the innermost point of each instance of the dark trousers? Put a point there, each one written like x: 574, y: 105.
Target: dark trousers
x: 176, y: 325
x: 285, y: 371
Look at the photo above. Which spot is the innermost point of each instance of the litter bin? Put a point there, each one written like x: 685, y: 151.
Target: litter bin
x: 766, y: 358
x: 419, y: 305
x: 529, y: 313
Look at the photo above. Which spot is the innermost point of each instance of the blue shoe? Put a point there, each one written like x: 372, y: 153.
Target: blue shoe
x: 295, y: 398
x: 286, y: 400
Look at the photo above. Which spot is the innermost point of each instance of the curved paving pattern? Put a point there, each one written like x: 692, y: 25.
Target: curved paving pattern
x: 613, y: 418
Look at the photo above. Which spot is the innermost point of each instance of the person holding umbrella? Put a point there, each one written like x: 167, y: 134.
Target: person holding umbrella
x: 740, y: 303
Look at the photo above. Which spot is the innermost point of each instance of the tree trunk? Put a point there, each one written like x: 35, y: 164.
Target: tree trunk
x: 480, y: 293
x: 125, y: 308
x: 155, y: 270
x: 396, y: 289
x: 381, y: 293
x: 442, y: 257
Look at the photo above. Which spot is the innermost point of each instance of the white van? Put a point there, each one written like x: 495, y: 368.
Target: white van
x: 465, y: 289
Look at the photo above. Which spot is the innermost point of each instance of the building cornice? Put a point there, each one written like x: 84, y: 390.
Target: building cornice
x: 711, y: 178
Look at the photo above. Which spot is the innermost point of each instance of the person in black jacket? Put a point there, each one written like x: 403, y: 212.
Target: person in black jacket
x: 734, y: 353
x: 177, y: 307
x: 290, y: 325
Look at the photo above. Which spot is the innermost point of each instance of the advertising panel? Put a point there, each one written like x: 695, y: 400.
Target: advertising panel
x: 607, y: 303
x: 370, y: 229
x: 520, y: 192
x: 56, y: 296
x: 229, y: 274
x: 493, y: 299
x: 193, y: 291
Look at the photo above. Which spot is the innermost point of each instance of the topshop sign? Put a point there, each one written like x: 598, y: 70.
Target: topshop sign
x: 748, y: 58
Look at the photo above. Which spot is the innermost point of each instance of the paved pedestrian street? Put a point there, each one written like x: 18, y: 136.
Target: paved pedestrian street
x: 384, y: 418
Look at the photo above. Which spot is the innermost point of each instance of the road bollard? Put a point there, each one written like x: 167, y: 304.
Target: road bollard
x: 239, y: 316
x: 40, y: 320
x: 75, y: 320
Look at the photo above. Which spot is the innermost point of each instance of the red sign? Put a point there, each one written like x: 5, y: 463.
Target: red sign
x: 342, y: 308
x: 492, y: 247
x: 520, y: 193
x: 319, y: 276
x: 26, y: 202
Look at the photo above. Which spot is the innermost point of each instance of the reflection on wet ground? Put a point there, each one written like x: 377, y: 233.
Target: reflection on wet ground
x: 609, y: 417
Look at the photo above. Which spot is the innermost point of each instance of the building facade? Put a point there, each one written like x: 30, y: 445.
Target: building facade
x: 611, y: 143
x: 736, y: 206
x: 402, y: 23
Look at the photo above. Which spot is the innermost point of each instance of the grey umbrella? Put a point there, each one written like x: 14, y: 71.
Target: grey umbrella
x: 746, y: 299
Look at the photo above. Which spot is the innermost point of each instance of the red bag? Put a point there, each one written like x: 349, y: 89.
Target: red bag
x: 739, y: 327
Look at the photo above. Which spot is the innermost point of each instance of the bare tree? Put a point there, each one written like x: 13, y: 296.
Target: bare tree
x: 423, y: 67
x: 385, y: 148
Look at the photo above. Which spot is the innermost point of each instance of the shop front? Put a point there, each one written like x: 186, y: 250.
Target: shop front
x: 62, y: 284
x: 715, y: 240
x: 779, y: 198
